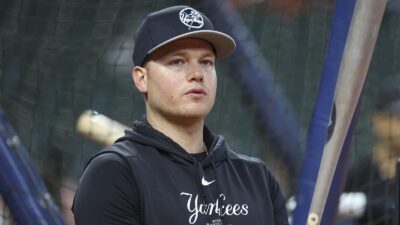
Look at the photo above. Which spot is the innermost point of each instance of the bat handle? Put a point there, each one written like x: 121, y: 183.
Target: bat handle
x: 313, y: 219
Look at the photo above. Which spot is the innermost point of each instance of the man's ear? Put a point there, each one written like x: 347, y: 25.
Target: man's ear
x: 139, y: 76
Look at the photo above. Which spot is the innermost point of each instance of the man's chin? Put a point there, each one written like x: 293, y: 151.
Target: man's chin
x: 195, y: 116
x: 196, y: 113
x: 190, y: 117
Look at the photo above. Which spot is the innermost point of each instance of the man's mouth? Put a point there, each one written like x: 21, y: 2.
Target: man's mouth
x: 196, y: 91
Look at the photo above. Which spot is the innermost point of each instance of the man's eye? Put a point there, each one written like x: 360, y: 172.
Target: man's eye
x: 208, y: 62
x: 177, y: 62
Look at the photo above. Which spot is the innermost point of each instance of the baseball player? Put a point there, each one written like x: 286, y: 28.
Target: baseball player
x: 169, y: 168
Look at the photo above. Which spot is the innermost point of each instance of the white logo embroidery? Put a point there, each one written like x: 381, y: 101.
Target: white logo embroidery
x: 191, y: 18
x: 206, y: 183
x: 220, y: 207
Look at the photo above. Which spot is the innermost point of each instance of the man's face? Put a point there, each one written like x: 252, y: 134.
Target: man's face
x: 180, y: 80
x: 387, y: 128
x: 387, y: 147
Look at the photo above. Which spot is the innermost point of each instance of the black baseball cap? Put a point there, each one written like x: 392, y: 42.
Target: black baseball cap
x: 162, y: 27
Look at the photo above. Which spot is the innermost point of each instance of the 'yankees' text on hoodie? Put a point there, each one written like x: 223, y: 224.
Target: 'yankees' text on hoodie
x: 145, y: 178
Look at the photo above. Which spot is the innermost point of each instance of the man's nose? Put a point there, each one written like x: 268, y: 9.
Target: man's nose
x: 195, y: 72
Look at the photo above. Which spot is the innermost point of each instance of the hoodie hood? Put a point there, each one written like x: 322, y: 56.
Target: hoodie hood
x: 143, y: 133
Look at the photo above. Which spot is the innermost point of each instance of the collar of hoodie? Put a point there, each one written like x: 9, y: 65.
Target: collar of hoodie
x: 143, y: 133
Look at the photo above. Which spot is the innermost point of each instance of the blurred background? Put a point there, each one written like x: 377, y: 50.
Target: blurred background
x: 59, y: 58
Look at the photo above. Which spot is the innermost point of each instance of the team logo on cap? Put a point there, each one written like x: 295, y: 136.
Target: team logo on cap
x: 191, y: 18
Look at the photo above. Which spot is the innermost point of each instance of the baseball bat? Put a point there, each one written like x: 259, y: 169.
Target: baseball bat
x: 99, y: 128
x: 356, y: 58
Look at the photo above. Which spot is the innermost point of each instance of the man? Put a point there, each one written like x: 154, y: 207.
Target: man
x: 169, y: 168
x: 374, y: 173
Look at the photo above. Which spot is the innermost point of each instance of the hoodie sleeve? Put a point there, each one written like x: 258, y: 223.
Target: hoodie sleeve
x: 278, y: 201
x: 107, y: 194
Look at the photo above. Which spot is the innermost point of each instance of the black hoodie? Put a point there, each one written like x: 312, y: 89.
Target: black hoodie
x: 145, y: 178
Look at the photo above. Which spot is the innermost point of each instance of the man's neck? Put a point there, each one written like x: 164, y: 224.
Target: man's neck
x: 188, y: 135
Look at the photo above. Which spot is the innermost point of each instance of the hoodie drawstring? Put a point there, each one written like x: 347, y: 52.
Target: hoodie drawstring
x: 218, y: 187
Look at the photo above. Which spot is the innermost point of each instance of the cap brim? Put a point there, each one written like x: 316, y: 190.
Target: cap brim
x: 223, y: 44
